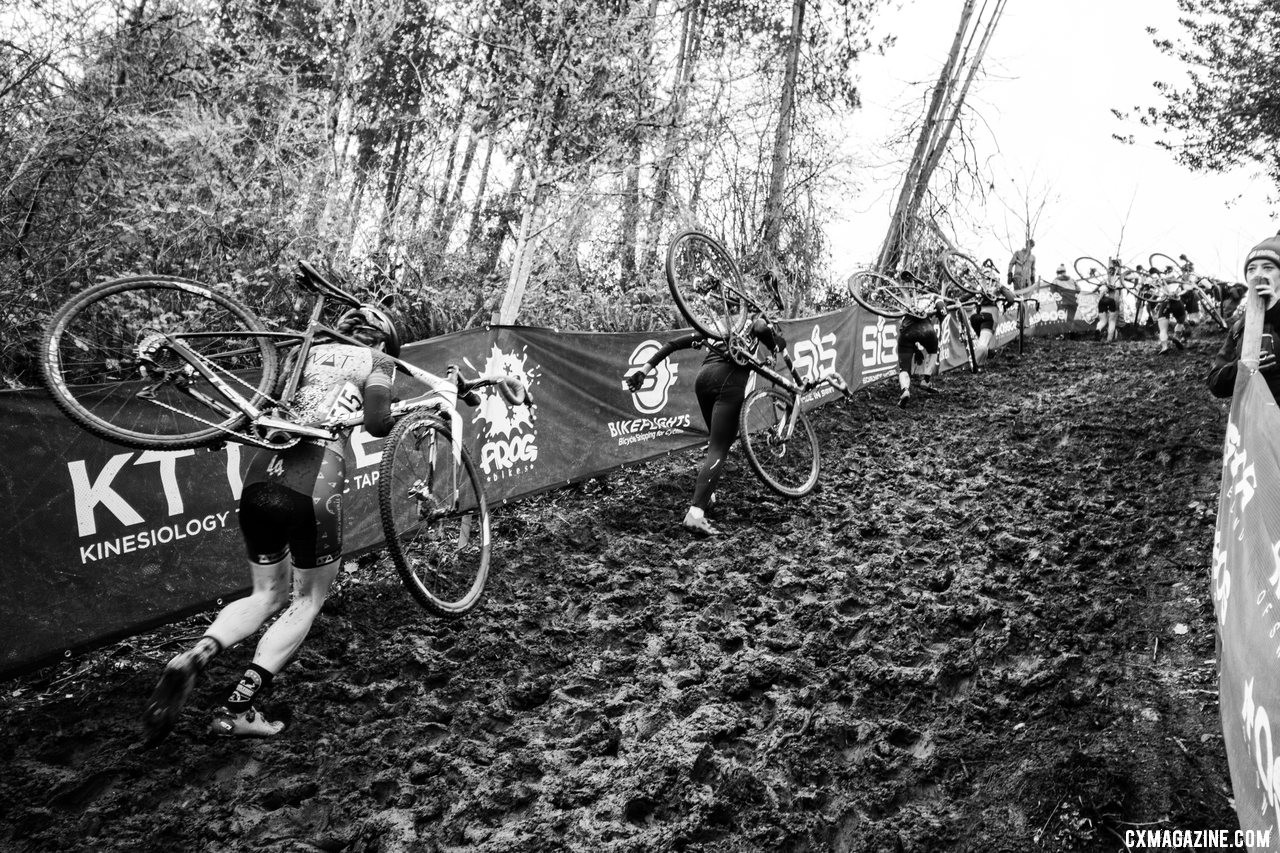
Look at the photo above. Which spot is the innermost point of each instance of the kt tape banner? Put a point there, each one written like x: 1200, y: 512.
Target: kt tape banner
x: 106, y: 541
x: 1246, y: 597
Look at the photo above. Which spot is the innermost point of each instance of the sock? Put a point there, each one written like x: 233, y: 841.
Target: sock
x: 255, y: 679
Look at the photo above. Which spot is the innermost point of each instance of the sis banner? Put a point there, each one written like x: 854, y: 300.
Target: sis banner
x: 1246, y: 597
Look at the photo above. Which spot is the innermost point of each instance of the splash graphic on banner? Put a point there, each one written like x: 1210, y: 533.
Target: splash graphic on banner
x: 509, y: 441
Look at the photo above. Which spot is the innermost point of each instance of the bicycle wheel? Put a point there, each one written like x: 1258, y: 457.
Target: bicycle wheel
x: 787, y: 464
x: 434, y: 515
x: 964, y: 272
x: 1090, y: 269
x: 707, y: 286
x: 966, y: 335
x: 1163, y: 262
x: 881, y: 295
x: 110, y: 362
x: 1209, y: 305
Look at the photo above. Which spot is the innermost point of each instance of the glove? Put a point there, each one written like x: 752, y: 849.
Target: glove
x: 635, y: 379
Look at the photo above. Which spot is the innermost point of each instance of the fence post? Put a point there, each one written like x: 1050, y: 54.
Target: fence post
x: 1251, y: 342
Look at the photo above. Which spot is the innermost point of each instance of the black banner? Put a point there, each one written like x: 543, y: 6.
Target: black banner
x: 105, y: 541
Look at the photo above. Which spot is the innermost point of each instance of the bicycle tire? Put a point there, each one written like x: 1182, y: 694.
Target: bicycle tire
x: 772, y: 457
x: 966, y: 334
x: 707, y: 286
x: 1144, y: 295
x: 965, y: 273
x: 1097, y: 269
x: 1164, y: 263
x: 417, y: 475
x: 880, y: 294
x: 91, y: 365
x: 1210, y: 305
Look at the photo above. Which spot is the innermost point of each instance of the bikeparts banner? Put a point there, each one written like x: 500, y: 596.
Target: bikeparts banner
x: 1245, y: 582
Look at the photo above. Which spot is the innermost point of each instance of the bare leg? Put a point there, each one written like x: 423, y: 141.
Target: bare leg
x: 982, y: 346
x: 282, y: 639
x: 1162, y: 323
x: 237, y: 620
x: 242, y: 617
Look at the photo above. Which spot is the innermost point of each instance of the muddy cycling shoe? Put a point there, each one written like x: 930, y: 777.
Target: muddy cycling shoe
x: 1177, y: 343
x: 695, y: 521
x: 250, y: 723
x: 904, y: 400
x: 926, y: 384
x: 165, y: 704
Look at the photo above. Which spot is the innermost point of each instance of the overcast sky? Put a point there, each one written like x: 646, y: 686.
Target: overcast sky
x: 1054, y: 71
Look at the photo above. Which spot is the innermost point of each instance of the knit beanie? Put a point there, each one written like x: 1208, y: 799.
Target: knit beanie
x: 1268, y: 249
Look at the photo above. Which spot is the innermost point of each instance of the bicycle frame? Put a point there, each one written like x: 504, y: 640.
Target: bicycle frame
x: 793, y: 384
x: 442, y: 396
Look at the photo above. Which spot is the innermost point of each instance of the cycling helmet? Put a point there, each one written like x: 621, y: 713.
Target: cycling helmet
x: 375, y: 318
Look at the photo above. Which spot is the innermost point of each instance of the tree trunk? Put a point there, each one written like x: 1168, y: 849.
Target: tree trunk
x: 940, y: 145
x: 507, y: 215
x: 477, y: 214
x: 522, y: 262
x: 464, y: 173
x: 782, y: 139
x: 899, y: 223
x: 442, y: 196
x: 628, y: 239
x: 686, y: 61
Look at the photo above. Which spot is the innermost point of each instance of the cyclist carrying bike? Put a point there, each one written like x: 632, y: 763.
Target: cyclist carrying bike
x: 1168, y: 288
x: 1108, y: 308
x: 1261, y: 267
x: 720, y: 387
x: 918, y: 344
x: 1190, y: 296
x: 290, y: 517
x: 995, y: 300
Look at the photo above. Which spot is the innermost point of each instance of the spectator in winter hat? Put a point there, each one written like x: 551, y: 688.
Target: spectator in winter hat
x: 1261, y: 271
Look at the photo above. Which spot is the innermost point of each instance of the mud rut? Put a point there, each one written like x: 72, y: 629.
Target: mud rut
x: 988, y: 629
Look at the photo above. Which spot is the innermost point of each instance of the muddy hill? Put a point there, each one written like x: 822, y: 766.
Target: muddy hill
x: 988, y: 629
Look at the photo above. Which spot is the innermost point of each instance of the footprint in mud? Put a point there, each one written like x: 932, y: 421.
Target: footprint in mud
x: 77, y: 794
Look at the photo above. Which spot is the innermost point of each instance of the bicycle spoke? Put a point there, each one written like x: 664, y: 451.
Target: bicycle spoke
x: 779, y: 442
x: 434, y: 517
x: 115, y: 361
x: 707, y: 287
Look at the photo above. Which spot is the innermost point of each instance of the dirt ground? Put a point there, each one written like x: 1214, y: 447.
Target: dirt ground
x: 988, y: 629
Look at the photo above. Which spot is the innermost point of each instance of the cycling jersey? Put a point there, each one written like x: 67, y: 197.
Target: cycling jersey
x: 292, y: 498
x: 336, y: 379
